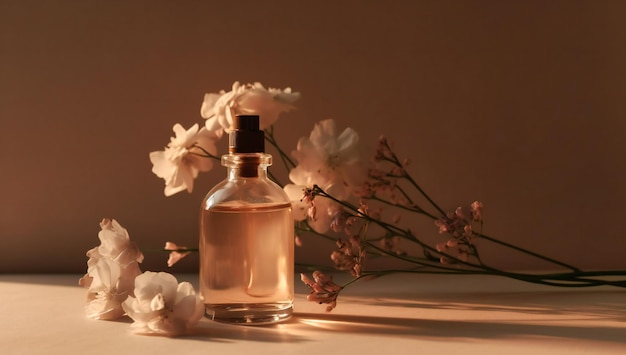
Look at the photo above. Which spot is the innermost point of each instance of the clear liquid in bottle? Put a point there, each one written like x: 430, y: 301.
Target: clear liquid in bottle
x: 246, y: 272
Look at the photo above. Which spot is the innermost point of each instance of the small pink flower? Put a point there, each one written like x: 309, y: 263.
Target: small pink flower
x: 442, y: 224
x: 323, y: 289
x: 441, y: 247
x: 461, y: 213
x: 178, y: 252
x: 477, y: 211
x: 391, y: 245
x: 349, y: 256
x: 383, y: 150
x: 467, y: 231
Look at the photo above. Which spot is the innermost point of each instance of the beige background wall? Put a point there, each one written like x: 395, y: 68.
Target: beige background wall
x: 519, y: 104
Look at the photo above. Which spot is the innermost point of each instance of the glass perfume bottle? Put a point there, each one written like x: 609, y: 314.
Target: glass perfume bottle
x: 246, y: 236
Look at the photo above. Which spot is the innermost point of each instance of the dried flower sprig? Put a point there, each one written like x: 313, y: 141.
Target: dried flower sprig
x: 323, y: 289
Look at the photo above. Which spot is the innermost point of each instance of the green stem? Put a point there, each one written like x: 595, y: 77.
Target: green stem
x: 310, y: 229
x: 182, y: 250
x: 287, y: 162
x: 393, y: 158
x: 414, y: 260
x: 421, y: 191
x: 206, y: 154
x: 414, y: 209
x: 520, y: 249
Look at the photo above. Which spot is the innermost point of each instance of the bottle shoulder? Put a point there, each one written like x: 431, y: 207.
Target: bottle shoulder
x: 246, y: 191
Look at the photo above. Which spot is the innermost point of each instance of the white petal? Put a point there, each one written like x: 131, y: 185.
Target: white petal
x: 324, y: 136
x: 299, y: 210
x: 294, y: 192
x: 185, y: 307
x: 207, y: 110
x: 184, y: 289
x: 171, y: 190
x: 161, y: 166
x: 157, y: 303
x: 213, y: 125
x: 348, y: 145
x: 147, y: 286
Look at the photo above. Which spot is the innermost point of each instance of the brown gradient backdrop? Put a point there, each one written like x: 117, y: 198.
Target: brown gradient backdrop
x: 519, y: 104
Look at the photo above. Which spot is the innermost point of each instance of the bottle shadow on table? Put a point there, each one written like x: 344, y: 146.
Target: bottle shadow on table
x: 533, y: 315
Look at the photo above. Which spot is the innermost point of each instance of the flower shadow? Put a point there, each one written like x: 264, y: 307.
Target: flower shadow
x: 454, y: 329
x: 596, y: 305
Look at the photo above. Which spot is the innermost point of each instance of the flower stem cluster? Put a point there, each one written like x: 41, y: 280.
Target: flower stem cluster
x: 335, y: 194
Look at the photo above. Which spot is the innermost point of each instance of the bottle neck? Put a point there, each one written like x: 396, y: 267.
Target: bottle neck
x: 246, y: 165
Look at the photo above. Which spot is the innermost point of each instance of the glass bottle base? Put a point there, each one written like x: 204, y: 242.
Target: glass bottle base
x: 249, y: 314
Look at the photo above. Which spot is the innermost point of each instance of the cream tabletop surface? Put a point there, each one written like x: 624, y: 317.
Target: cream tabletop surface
x: 403, y: 314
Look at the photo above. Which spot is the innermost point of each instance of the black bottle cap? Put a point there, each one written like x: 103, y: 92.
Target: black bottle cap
x: 245, y: 136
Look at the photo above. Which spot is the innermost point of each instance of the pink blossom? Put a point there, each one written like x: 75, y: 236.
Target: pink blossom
x: 349, y: 256
x: 176, y: 254
x: 477, y: 211
x: 391, y: 245
x: 323, y: 289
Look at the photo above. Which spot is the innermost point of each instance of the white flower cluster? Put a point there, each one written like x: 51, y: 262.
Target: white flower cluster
x: 186, y: 154
x: 155, y: 301
x: 249, y: 99
x: 327, y: 157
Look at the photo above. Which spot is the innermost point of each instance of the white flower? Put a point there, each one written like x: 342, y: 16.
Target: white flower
x: 298, y: 206
x: 110, y: 285
x: 320, y: 213
x: 163, y: 306
x: 329, y: 159
x: 184, y: 157
x: 111, y: 271
x: 332, y: 162
x: 115, y: 244
x: 219, y: 109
